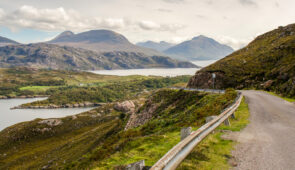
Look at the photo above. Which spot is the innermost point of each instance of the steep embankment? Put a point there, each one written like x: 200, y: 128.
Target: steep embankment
x: 266, y: 63
x: 97, y: 138
x: 68, y: 58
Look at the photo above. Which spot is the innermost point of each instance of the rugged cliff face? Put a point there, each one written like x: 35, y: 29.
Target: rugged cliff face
x: 266, y: 63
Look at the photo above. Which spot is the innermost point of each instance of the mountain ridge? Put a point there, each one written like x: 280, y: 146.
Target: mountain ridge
x: 42, y: 55
x: 199, y: 48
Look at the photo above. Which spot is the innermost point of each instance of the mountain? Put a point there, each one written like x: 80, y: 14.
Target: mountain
x: 43, y: 55
x: 199, y: 48
x: 161, y: 46
x: 266, y: 63
x: 5, y: 41
x: 100, y: 41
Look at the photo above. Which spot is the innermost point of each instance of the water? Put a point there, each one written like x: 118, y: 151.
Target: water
x: 171, y: 72
x: 10, y: 117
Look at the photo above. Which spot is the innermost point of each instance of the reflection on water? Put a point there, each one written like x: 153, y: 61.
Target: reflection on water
x: 10, y: 117
x: 171, y: 72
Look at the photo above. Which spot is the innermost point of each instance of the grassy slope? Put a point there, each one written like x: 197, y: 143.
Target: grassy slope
x: 269, y: 57
x: 214, y: 151
x: 100, y: 142
x: 177, y: 109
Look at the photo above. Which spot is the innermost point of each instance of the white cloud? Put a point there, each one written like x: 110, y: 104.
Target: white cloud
x: 59, y: 19
x: 2, y: 14
x: 234, y: 43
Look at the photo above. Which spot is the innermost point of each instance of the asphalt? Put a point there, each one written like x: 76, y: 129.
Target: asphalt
x: 268, y: 142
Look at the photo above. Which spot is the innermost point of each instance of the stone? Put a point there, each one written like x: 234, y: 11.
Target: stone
x: 210, y: 118
x: 267, y: 84
x: 125, y: 106
x: 136, y: 166
x: 185, y: 132
x: 51, y: 122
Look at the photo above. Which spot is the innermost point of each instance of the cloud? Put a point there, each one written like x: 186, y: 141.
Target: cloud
x: 2, y: 13
x: 150, y: 25
x: 174, y: 1
x: 59, y: 19
x: 234, y: 43
x: 248, y: 2
x: 164, y: 10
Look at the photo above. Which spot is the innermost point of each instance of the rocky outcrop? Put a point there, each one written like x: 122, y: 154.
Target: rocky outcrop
x: 137, y: 119
x: 51, y: 122
x: 204, y: 80
x: 126, y: 106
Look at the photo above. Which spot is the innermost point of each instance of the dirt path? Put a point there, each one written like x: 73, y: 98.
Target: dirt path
x: 268, y: 142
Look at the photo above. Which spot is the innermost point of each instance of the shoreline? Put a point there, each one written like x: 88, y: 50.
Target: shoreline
x: 23, y: 97
x: 53, y: 106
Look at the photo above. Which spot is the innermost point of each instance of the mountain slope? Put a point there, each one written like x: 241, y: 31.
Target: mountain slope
x: 161, y: 46
x: 100, y: 41
x: 57, y: 57
x: 199, y: 48
x: 266, y: 63
x: 5, y: 41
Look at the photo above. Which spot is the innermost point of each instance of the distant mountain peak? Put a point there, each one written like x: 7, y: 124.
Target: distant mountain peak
x: 159, y: 46
x: 199, y: 48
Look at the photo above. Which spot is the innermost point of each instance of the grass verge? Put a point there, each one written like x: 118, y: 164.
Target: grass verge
x: 285, y: 98
x: 214, y: 152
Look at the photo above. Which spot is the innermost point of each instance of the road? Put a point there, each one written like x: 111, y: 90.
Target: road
x: 268, y: 142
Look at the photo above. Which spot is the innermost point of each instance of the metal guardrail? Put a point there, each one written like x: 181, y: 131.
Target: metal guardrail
x: 202, y: 90
x: 178, y: 153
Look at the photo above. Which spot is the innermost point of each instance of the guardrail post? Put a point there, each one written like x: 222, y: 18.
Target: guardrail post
x: 226, y: 122
x: 233, y: 115
x: 186, y: 131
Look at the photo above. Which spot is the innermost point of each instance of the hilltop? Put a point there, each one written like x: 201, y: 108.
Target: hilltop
x: 100, y: 41
x: 265, y: 63
x: 199, y: 48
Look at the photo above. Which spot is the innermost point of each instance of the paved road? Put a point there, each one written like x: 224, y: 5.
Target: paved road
x: 268, y: 142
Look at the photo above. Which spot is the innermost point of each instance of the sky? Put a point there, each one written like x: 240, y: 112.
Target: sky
x: 232, y: 22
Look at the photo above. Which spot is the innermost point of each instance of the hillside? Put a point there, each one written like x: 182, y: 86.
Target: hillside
x: 161, y: 46
x: 97, y: 139
x: 266, y: 63
x: 199, y: 48
x: 61, y: 57
x: 100, y: 41
x: 5, y: 41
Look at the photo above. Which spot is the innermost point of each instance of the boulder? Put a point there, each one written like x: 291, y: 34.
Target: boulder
x: 267, y: 84
x: 51, y: 122
x: 125, y: 106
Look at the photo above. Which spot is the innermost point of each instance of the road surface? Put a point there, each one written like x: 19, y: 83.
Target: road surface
x: 268, y: 142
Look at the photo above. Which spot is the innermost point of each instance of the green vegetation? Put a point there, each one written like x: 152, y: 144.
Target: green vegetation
x: 285, y: 98
x: 106, y: 93
x: 266, y: 63
x: 214, y: 151
x: 97, y: 139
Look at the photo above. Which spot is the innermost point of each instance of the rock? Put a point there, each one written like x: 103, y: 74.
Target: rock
x: 209, y: 118
x: 267, y: 84
x: 185, y: 132
x: 125, y: 106
x: 136, y: 166
x: 74, y: 117
x: 51, y: 122
x: 76, y: 105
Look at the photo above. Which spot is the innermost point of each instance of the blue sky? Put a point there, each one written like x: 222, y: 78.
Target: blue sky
x: 26, y: 35
x: 232, y: 22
